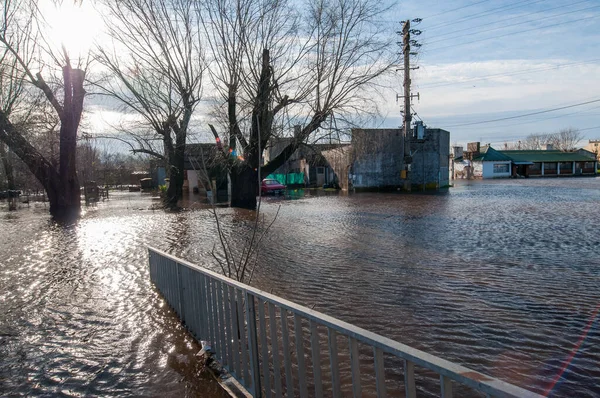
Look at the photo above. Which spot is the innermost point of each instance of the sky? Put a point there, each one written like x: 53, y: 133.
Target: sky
x: 479, y: 61
x: 484, y: 60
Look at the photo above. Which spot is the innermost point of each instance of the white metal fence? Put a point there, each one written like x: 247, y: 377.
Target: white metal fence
x: 274, y: 347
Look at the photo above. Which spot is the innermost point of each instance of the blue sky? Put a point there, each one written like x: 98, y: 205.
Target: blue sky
x: 483, y: 60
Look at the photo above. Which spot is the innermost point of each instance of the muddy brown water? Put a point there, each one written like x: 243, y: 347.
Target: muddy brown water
x: 502, y: 277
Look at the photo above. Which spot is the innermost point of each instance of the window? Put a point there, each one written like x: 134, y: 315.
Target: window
x: 550, y: 166
x: 501, y: 168
x: 320, y: 170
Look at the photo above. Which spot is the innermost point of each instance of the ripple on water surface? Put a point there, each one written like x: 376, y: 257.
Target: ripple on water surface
x: 502, y: 277
x: 79, y: 315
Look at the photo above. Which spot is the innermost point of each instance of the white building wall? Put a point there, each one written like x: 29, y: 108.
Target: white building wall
x: 488, y: 170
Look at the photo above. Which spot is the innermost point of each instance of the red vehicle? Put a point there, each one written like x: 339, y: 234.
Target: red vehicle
x: 271, y: 186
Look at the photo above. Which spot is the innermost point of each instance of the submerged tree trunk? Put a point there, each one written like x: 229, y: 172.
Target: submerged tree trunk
x: 244, y: 177
x: 69, y: 124
x: 8, y: 167
x: 244, y: 187
x: 175, y: 168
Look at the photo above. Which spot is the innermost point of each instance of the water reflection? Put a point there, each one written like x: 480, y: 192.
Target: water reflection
x: 78, y: 314
x: 177, y: 235
x: 499, y: 276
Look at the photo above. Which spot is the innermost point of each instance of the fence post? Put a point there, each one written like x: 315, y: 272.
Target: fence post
x: 333, y: 361
x: 253, y: 344
x: 302, y: 387
x: 355, y: 368
x: 446, y: 385
x: 379, y: 372
x: 316, y: 358
x: 289, y: 382
x: 409, y: 379
x: 180, y: 289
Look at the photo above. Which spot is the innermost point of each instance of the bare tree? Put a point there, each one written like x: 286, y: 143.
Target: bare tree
x: 155, y: 71
x: 20, y: 38
x: 563, y: 140
x: 11, y: 90
x: 536, y: 141
x: 276, y: 65
x: 566, y: 139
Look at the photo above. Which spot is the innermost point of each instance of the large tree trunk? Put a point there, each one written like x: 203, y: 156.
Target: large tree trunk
x: 244, y: 177
x: 175, y: 164
x: 68, y: 202
x: 244, y: 187
x: 176, y: 153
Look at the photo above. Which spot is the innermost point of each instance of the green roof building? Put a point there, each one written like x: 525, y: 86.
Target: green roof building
x: 491, y: 163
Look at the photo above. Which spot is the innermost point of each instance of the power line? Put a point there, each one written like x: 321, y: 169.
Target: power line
x: 509, y: 19
x: 546, y: 118
x: 455, y: 9
x: 518, y: 23
x: 415, y: 113
x: 506, y: 7
x: 514, y: 73
x: 589, y: 128
x: 514, y: 33
x: 538, y: 120
x: 525, y: 115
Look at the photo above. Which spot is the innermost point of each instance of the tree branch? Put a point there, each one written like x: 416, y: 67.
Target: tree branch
x: 43, y: 170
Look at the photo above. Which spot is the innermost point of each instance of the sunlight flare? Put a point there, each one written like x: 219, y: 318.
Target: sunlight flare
x: 76, y: 26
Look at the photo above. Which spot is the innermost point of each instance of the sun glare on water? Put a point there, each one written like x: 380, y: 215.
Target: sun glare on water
x: 74, y: 25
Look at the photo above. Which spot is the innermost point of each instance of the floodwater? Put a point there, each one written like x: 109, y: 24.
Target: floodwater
x: 502, y: 277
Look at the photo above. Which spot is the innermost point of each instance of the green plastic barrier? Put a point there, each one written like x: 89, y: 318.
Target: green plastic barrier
x: 288, y: 179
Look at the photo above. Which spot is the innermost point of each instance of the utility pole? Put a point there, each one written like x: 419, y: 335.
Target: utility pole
x: 407, y: 132
x: 407, y: 111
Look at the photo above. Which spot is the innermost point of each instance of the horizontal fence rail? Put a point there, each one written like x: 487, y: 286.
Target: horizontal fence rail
x: 275, y: 347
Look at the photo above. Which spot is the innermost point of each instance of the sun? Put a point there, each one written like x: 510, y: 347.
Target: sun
x: 76, y: 25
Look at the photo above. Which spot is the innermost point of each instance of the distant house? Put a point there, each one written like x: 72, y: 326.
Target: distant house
x: 484, y: 162
x: 306, y: 167
x: 593, y: 147
x: 136, y: 176
x: 487, y: 162
x: 551, y: 163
